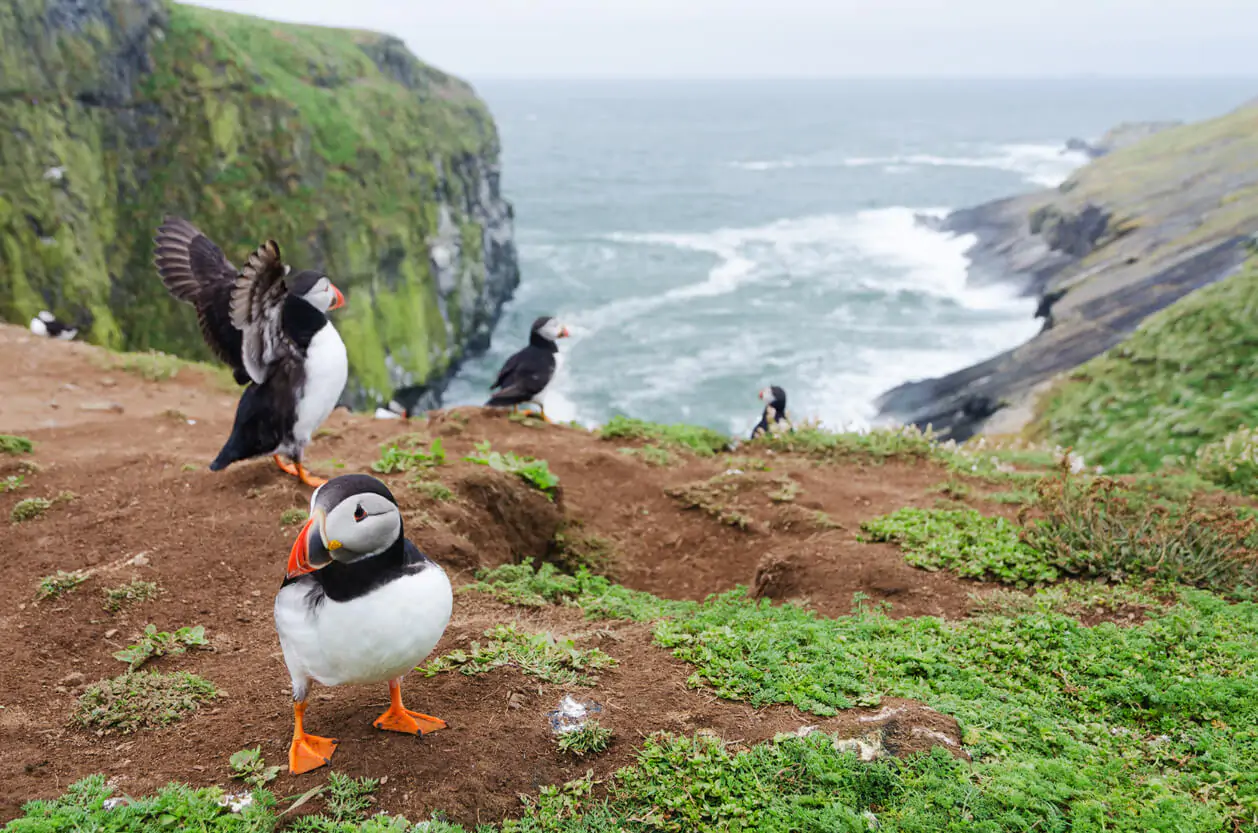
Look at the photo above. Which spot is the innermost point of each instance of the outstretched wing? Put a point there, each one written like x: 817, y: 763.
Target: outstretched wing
x: 194, y: 270
x: 257, y: 301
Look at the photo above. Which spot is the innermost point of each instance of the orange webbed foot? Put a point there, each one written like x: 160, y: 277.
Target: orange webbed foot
x: 287, y: 468
x: 309, y: 752
x: 398, y: 718
x: 309, y: 479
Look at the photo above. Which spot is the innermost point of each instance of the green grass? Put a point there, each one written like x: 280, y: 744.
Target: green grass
x: 249, y: 766
x: 1179, y: 383
x: 538, y: 655
x: 576, y: 549
x: 1016, y: 497
x: 704, y: 442
x: 156, y: 366
x: 651, y: 455
x: 154, y: 643
x: 293, y: 516
x: 812, y: 440
x: 963, y: 541
x: 348, y: 801
x: 12, y: 483
x: 140, y: 700
x: 591, y: 739
x: 599, y: 598
x: 60, y: 583
x: 1077, y: 598
x: 714, y: 497
x: 117, y: 598
x: 433, y: 489
x: 409, y: 456
x: 534, y: 472
x: 29, y: 508
x: 9, y: 444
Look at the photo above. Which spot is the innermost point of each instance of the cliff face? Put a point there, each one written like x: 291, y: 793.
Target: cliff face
x: 1126, y: 236
x: 356, y: 157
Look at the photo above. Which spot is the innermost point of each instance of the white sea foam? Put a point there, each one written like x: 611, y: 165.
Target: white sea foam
x: 1046, y: 164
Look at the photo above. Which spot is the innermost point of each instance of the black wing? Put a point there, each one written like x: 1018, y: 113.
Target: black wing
x: 508, y: 367
x: 526, y: 374
x: 195, y: 271
x: 257, y: 306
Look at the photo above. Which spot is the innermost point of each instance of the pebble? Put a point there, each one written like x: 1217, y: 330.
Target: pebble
x: 111, y: 633
x: 102, y: 406
x: 70, y: 679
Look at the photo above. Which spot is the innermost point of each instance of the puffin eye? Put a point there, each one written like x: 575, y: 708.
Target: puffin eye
x: 359, y: 513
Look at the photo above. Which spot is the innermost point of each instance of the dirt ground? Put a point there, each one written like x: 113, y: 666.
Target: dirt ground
x: 134, y: 453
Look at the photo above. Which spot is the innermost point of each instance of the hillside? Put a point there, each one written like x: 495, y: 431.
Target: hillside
x: 1174, y: 389
x: 815, y: 632
x: 1124, y: 237
x: 356, y: 157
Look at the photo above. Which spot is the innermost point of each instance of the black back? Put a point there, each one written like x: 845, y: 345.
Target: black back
x: 775, y: 411
x: 266, y: 413
x: 525, y: 374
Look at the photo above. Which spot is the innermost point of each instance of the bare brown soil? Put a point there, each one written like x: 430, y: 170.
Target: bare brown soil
x: 133, y: 453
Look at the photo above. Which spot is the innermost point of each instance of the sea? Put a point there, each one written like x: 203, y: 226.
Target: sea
x: 704, y: 240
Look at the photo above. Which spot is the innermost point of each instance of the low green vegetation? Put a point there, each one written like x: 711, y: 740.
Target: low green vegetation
x: 9, y: 444
x: 140, y: 700
x: 156, y: 366
x: 715, y: 498
x: 599, y: 598
x: 1231, y: 462
x: 154, y: 643
x: 812, y: 440
x: 1177, y: 386
x: 694, y: 438
x: 651, y: 454
x: 963, y: 541
x: 408, y: 454
x: 538, y: 655
x: 576, y: 549
x: 1078, y: 598
x: 248, y: 765
x: 12, y: 482
x: 133, y: 592
x: 590, y: 739
x: 348, y: 800
x: 60, y: 583
x: 433, y: 489
x: 29, y: 508
x: 293, y: 516
x: 535, y: 472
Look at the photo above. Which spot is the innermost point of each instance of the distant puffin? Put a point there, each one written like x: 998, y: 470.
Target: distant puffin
x: 46, y: 324
x: 195, y: 271
x: 525, y: 376
x: 360, y: 604
x: 774, y: 417
x: 296, y: 362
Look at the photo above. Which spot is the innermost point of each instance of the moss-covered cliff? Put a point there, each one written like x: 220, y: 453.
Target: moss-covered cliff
x: 341, y: 145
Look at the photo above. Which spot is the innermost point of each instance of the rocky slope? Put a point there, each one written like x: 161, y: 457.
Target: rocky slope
x: 1127, y: 235
x: 356, y: 157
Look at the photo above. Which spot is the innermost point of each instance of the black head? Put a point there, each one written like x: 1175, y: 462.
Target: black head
x: 775, y: 395
x: 316, y: 289
x: 352, y: 517
x: 548, y: 329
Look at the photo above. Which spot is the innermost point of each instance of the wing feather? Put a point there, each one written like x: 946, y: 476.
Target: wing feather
x: 257, y: 303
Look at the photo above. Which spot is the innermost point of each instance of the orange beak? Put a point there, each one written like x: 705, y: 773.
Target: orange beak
x: 340, y: 299
x: 762, y: 394
x: 299, y: 556
x: 564, y: 333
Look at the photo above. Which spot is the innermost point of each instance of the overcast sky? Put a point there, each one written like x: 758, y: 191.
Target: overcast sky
x: 489, y: 39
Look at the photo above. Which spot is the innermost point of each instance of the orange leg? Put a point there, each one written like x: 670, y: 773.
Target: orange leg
x: 398, y: 718
x: 308, y: 478
x: 286, y: 468
x: 307, y: 751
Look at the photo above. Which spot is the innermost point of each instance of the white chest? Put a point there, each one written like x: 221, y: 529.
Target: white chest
x: 371, y: 639
x: 327, y: 369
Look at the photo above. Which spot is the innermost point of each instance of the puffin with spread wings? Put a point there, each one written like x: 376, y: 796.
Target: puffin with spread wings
x: 526, y: 376
x: 271, y: 327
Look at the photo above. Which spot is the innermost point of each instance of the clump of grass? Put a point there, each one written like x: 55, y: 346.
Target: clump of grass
x: 156, y: 366
x: 749, y: 463
x: 117, y: 598
x: 651, y: 455
x: 154, y: 643
x: 591, y: 739
x: 12, y: 483
x: 29, y: 508
x: 538, y: 655
x: 90, y: 805
x: 535, y: 472
x: 699, y: 440
x: 812, y: 440
x: 141, y: 699
x: 1016, y: 497
x: 713, y: 497
x: 965, y: 542
x: 521, y: 584
x: 60, y: 583
x: 1071, y: 598
x: 348, y: 801
x: 433, y: 489
x: 575, y: 550
x: 249, y: 766
x: 293, y: 515
x: 786, y: 492
x: 410, y: 456
x: 953, y: 489
x: 10, y: 444
x: 1231, y: 462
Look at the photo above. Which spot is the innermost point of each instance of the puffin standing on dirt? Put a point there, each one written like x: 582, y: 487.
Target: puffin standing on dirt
x: 272, y: 328
x: 774, y: 417
x: 46, y: 324
x: 360, y: 604
x: 525, y: 376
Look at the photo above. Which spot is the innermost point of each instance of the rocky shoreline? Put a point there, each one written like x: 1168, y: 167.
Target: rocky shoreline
x: 1163, y: 210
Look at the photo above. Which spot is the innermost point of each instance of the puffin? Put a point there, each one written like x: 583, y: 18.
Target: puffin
x: 195, y: 271
x: 525, y: 376
x: 360, y: 604
x: 774, y: 417
x: 46, y: 324
x: 296, y: 362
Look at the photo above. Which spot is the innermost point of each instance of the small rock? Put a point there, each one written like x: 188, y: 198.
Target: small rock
x: 108, y: 382
x: 515, y: 701
x: 111, y: 633
x: 140, y: 560
x: 113, y: 407
x: 73, y: 678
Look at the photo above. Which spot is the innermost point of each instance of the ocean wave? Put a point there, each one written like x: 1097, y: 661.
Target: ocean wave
x: 1045, y: 164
